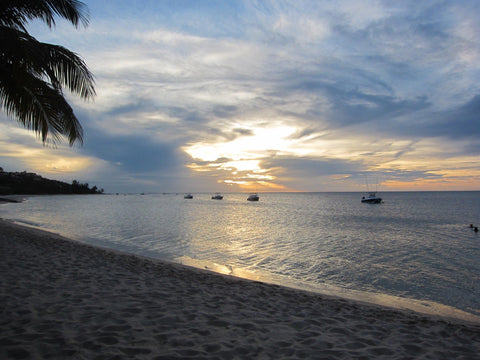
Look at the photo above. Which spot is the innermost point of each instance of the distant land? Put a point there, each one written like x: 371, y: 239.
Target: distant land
x: 26, y: 183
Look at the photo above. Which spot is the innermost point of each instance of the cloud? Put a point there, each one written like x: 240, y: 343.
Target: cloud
x: 461, y: 122
x: 135, y: 155
x: 458, y: 124
x: 306, y: 93
x: 308, y: 167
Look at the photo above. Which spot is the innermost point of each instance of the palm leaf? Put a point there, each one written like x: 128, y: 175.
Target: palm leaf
x: 16, y: 13
x: 70, y: 70
x: 33, y: 73
x: 38, y: 106
x: 63, y: 67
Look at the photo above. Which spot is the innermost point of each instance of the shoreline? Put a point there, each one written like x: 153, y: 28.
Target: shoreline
x: 422, y: 307
x: 11, y: 199
x: 65, y: 299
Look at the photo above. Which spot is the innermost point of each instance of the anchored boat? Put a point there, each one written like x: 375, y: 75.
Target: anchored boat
x: 371, y: 198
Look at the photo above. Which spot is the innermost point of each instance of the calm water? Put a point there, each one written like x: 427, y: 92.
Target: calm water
x: 415, y: 246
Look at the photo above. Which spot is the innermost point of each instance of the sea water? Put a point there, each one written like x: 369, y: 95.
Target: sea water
x: 416, y: 248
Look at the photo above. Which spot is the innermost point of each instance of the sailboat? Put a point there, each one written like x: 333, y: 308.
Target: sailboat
x: 371, y: 197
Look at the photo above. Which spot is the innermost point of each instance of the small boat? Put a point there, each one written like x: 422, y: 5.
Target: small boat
x: 253, y: 197
x: 188, y: 196
x: 371, y: 198
x: 217, y: 196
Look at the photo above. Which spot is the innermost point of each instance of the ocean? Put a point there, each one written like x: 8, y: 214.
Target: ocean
x: 416, y: 250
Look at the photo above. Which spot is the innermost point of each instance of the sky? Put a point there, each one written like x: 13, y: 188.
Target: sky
x: 239, y: 96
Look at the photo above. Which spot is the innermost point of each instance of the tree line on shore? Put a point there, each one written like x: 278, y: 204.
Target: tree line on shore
x: 27, y: 183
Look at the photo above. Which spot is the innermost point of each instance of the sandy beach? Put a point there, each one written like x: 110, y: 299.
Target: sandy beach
x: 61, y: 299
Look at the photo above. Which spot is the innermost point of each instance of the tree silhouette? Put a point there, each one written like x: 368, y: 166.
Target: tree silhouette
x: 33, y: 74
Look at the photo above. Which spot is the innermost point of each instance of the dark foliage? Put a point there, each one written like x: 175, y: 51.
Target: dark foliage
x: 33, y: 74
x: 32, y: 184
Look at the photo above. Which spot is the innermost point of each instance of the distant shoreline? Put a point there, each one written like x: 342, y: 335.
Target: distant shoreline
x: 33, y: 184
x: 11, y: 199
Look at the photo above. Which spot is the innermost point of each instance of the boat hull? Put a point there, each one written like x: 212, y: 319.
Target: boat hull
x: 372, y: 201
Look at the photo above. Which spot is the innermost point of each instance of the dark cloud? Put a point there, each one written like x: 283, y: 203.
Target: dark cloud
x: 310, y: 167
x: 370, y: 107
x: 472, y: 148
x: 350, y: 102
x: 243, y: 132
x: 134, y: 154
x: 220, y: 161
x: 138, y: 104
x: 408, y: 175
x: 460, y: 124
x: 229, y: 135
x: 224, y: 111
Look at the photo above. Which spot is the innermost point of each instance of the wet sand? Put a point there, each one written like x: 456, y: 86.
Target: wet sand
x: 61, y: 299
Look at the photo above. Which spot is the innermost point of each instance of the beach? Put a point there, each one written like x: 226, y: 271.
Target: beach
x: 61, y: 299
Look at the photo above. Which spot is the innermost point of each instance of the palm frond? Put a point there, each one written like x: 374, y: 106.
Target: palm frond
x: 16, y: 13
x: 32, y: 73
x: 38, y: 106
x: 62, y: 66
x: 70, y: 70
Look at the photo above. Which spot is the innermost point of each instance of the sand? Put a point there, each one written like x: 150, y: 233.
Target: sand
x: 60, y: 299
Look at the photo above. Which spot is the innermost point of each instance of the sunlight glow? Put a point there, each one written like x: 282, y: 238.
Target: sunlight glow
x: 245, y: 147
x: 241, y: 161
x: 41, y: 160
x: 242, y: 165
x: 243, y: 156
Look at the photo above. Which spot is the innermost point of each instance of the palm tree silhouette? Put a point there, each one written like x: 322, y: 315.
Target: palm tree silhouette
x: 32, y: 73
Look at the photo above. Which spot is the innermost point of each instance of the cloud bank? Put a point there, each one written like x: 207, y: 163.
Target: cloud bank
x: 275, y: 96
